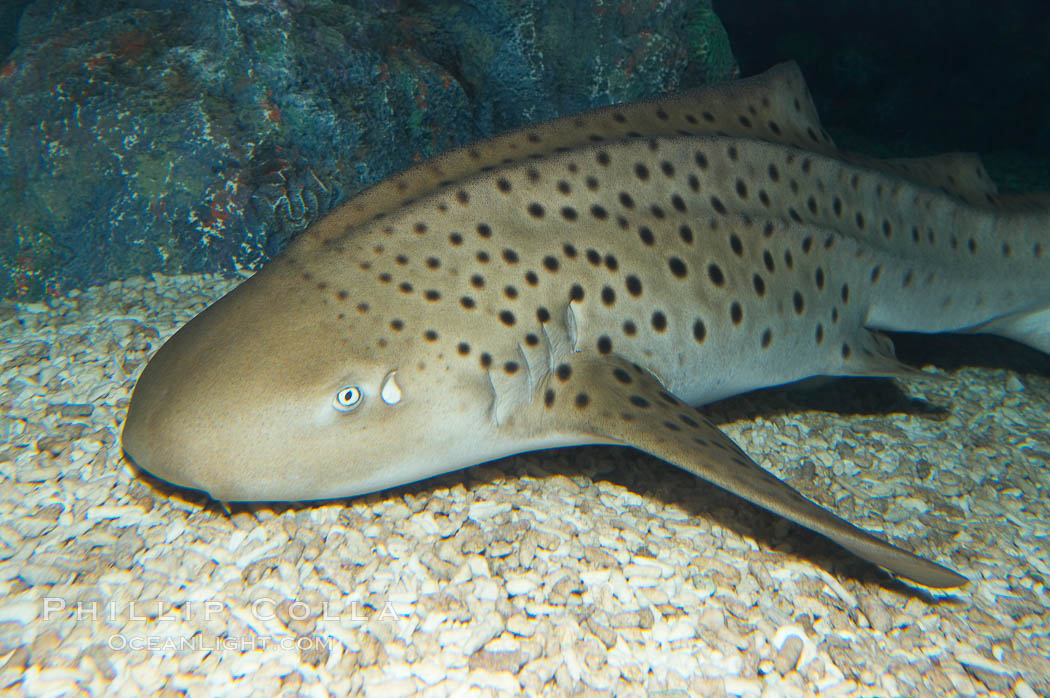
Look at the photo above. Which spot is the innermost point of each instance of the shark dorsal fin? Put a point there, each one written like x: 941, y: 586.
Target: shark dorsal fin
x: 960, y: 174
x: 774, y: 106
x: 1017, y: 202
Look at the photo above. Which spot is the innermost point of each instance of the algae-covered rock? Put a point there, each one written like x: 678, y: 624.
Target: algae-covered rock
x: 141, y: 135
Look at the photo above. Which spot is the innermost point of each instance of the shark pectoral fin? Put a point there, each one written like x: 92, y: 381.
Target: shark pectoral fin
x: 873, y: 355
x: 1030, y: 327
x: 615, y: 400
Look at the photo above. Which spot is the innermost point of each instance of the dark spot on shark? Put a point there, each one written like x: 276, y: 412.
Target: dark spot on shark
x: 634, y: 286
x: 767, y: 259
x: 736, y: 245
x: 736, y: 313
x: 699, y: 331
x: 759, y: 284
x: 714, y: 272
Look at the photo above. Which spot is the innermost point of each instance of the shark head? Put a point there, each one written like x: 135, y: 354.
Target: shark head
x: 285, y: 389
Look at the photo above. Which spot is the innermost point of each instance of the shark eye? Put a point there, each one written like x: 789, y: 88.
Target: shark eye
x: 347, y: 399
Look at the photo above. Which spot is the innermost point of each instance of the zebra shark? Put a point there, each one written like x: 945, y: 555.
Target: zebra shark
x: 590, y: 280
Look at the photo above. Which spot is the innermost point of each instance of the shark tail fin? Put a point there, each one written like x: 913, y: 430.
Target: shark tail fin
x: 610, y: 400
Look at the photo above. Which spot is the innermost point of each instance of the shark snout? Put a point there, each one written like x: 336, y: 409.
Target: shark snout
x: 173, y: 431
x: 199, y: 431
x: 215, y: 409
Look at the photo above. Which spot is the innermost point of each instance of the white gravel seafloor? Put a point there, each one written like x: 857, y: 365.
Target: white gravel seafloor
x: 581, y: 571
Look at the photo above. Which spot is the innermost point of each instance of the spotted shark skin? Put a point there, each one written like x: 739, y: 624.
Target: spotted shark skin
x: 590, y: 280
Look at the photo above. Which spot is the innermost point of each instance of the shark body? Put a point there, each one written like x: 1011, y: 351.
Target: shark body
x: 589, y: 281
